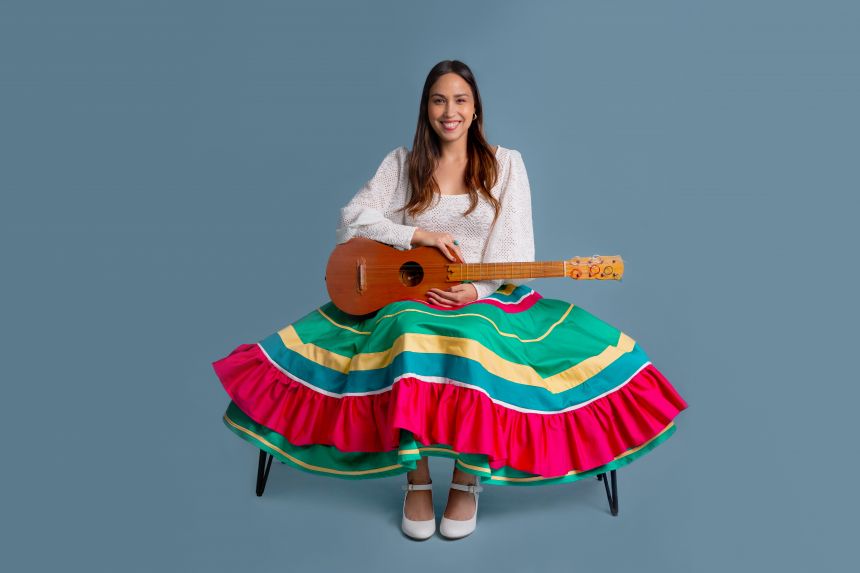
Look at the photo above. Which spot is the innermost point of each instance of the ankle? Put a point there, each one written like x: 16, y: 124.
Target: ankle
x: 418, y: 476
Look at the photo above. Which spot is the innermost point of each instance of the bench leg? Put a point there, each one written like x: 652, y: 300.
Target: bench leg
x: 611, y: 497
x: 264, y: 464
x: 263, y: 467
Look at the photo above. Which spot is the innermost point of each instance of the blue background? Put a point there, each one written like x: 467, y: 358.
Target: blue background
x: 171, y: 176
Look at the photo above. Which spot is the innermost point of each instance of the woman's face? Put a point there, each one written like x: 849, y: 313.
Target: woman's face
x: 450, y: 107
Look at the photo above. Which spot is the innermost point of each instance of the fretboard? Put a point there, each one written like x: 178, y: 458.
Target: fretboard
x: 488, y: 271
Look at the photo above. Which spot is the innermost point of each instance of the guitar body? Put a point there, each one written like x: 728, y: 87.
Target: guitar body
x: 363, y: 275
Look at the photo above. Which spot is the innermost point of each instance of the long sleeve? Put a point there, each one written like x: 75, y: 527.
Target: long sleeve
x: 512, y: 236
x: 371, y: 213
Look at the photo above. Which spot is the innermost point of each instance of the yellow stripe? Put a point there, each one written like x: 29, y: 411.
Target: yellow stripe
x: 508, y: 334
x: 321, y: 356
x: 424, y: 449
x: 343, y: 326
x: 295, y: 460
x: 466, y: 348
x: 431, y: 449
x: 471, y: 467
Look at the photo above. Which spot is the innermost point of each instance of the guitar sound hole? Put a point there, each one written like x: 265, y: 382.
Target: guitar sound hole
x: 411, y: 274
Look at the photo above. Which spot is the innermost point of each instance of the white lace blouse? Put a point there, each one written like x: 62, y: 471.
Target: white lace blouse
x: 373, y: 213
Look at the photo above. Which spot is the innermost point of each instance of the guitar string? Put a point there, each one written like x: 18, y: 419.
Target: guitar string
x: 488, y: 273
x: 510, y: 270
x: 473, y: 265
x: 498, y: 263
x: 515, y: 272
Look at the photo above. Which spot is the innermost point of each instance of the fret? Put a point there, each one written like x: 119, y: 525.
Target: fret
x: 511, y: 270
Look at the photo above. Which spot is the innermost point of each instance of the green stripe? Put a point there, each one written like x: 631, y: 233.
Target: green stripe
x: 582, y: 334
x: 331, y: 462
x: 462, y: 369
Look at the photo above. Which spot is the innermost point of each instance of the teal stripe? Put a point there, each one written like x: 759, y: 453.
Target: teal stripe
x: 518, y: 293
x: 457, y: 368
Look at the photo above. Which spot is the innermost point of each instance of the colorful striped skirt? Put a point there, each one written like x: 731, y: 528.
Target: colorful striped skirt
x: 516, y: 388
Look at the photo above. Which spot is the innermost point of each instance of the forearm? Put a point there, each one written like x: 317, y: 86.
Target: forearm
x: 371, y: 224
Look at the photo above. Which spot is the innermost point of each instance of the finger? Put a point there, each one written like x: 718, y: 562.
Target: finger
x: 437, y: 300
x: 444, y: 248
x: 447, y: 295
x: 441, y: 301
x: 443, y: 295
x: 459, y: 252
x: 437, y: 293
x: 450, y: 245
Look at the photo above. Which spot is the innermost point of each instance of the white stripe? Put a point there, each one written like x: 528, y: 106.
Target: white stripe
x: 444, y: 380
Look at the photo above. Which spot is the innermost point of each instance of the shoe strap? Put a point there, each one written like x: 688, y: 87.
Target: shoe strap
x: 417, y: 486
x: 470, y: 488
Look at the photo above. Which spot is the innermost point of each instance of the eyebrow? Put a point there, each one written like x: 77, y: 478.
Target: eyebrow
x: 455, y: 95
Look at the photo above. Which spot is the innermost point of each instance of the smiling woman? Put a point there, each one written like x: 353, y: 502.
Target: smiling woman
x: 516, y: 388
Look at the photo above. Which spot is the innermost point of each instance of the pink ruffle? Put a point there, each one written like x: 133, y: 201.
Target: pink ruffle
x: 467, y: 420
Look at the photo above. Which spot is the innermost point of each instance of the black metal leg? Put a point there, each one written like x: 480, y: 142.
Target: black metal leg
x: 263, y: 467
x: 265, y: 464
x: 612, y: 497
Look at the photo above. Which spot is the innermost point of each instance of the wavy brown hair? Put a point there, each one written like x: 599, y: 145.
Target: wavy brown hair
x: 481, y: 169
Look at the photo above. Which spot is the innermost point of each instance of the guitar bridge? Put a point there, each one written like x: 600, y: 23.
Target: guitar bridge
x: 360, y: 275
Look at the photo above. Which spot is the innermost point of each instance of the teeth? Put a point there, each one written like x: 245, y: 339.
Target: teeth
x: 450, y: 125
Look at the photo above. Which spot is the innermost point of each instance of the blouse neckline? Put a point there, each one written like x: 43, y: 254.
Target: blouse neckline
x: 498, y: 154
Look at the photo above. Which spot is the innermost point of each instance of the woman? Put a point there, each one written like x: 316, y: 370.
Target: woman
x: 518, y: 389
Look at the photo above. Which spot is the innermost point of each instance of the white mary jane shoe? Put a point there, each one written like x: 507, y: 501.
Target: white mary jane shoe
x: 456, y: 528
x: 417, y: 529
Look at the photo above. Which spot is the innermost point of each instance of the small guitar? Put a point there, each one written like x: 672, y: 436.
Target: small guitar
x: 363, y: 275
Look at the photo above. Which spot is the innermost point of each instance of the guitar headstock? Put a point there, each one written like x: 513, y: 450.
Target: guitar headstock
x: 597, y: 267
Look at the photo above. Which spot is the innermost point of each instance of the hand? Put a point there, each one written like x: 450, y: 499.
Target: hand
x: 457, y: 295
x: 442, y: 241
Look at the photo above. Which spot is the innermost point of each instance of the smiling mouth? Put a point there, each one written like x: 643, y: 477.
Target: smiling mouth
x: 450, y: 124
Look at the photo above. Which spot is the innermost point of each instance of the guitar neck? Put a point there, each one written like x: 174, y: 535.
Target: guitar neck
x: 459, y: 272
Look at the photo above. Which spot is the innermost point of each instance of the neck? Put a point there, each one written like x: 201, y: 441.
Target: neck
x: 454, y: 151
x: 487, y: 271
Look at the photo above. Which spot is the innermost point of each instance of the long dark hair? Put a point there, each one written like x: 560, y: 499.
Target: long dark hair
x: 481, y: 169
